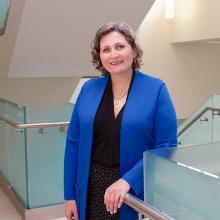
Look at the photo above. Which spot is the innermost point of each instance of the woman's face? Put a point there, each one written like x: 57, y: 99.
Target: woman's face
x: 116, y: 53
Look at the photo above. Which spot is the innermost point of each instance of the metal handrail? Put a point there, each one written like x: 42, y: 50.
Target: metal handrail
x: 133, y: 202
x: 196, y: 118
x: 144, y: 208
x: 66, y: 123
x: 130, y: 200
x: 33, y: 125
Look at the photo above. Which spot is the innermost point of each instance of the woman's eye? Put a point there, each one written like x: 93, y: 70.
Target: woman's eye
x: 105, y: 50
x: 119, y: 47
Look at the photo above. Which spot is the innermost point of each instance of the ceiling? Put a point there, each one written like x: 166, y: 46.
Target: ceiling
x: 53, y: 37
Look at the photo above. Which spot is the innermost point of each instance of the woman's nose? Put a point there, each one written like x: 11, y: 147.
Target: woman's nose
x: 114, y: 53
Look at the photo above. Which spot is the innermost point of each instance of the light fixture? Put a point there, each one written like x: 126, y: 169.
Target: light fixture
x: 169, y: 13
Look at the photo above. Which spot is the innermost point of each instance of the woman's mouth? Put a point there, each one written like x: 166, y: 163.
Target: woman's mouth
x: 115, y: 62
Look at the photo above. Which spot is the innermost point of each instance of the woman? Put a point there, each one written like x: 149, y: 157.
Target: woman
x: 116, y: 118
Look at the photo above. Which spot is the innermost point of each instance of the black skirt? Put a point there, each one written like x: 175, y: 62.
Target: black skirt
x: 101, y: 177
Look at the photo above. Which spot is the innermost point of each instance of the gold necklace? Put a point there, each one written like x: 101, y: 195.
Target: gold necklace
x: 117, y: 102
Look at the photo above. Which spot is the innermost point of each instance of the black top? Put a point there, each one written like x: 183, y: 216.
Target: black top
x: 106, y: 131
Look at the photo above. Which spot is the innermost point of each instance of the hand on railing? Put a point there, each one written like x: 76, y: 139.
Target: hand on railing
x: 115, y: 195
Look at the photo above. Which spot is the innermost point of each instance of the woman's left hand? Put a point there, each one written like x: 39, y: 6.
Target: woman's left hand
x: 115, y: 195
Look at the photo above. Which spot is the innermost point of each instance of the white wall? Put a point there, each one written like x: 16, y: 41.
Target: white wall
x: 54, y: 36
x: 38, y: 91
x: 47, y: 41
x: 196, y: 20
x: 190, y: 70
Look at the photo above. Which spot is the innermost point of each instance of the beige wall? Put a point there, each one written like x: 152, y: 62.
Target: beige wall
x: 47, y: 44
x: 191, y: 70
x: 38, y: 91
x: 196, y: 20
x: 54, y: 36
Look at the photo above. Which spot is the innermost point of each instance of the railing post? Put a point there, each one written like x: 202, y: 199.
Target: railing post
x: 139, y: 216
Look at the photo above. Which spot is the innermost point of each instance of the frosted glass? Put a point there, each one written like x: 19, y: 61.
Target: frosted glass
x: 45, y: 155
x: 207, y: 103
x: 200, y: 132
x: 216, y: 101
x: 184, y: 182
x: 45, y: 166
x: 3, y: 143
x: 206, y: 128
x: 17, y: 163
x: 32, y: 162
x: 49, y: 113
x: 13, y: 149
x: 216, y: 119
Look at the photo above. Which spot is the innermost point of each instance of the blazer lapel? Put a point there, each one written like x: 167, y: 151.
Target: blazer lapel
x: 129, y: 111
x: 94, y: 99
x: 96, y: 96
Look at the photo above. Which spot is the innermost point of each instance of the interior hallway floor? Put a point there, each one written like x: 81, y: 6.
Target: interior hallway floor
x: 7, y: 210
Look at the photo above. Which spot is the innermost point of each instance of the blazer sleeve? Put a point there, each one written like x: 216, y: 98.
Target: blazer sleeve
x: 164, y: 133
x: 71, y: 152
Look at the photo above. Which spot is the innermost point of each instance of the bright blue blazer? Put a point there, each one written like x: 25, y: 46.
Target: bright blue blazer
x: 148, y: 122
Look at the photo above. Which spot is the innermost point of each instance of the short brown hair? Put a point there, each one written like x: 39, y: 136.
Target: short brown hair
x: 130, y: 37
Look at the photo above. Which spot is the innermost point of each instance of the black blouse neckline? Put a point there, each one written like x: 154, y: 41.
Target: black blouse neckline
x: 112, y: 103
x: 110, y: 88
x: 106, y: 130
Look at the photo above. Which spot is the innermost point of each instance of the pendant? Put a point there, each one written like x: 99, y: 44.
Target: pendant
x: 116, y: 102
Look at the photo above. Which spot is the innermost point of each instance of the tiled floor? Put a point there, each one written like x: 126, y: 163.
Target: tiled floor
x: 7, y: 210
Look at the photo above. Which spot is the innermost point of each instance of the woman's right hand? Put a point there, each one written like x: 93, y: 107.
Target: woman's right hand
x: 71, y: 210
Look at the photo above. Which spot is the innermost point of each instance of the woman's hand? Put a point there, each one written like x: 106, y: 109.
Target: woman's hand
x: 71, y: 210
x: 115, y: 195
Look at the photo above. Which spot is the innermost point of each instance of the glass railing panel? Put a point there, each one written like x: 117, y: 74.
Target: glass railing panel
x: 3, y: 143
x: 207, y: 103
x: 17, y: 162
x: 200, y: 132
x: 13, y: 150
x: 4, y: 7
x: 216, y: 101
x: 184, y: 182
x: 15, y: 112
x: 49, y: 113
x: 216, y: 119
x: 45, y: 155
x: 205, y: 129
